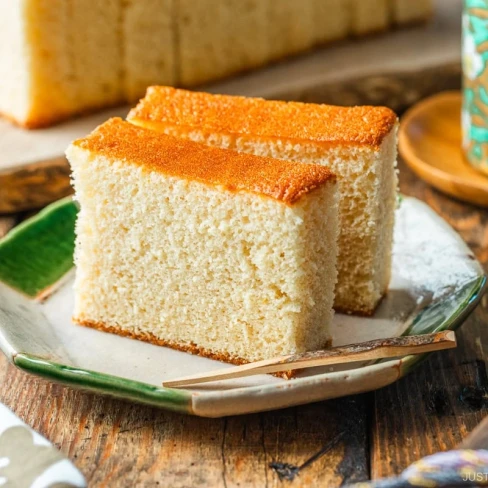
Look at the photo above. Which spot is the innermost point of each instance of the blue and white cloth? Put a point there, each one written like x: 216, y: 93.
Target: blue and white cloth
x: 28, y: 460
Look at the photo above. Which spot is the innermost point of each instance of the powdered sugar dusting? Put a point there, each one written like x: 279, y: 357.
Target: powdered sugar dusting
x: 428, y: 254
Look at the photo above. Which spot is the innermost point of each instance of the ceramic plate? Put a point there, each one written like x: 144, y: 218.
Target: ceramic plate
x: 436, y: 283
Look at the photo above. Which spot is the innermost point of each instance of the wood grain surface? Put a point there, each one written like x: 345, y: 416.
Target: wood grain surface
x: 434, y: 408
x: 349, y: 439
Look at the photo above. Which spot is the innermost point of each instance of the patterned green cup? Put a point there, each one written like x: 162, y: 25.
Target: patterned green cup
x: 475, y: 83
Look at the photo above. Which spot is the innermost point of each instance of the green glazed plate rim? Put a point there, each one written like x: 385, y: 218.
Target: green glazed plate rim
x: 53, y: 230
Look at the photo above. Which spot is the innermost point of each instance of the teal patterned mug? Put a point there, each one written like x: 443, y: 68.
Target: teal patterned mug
x: 475, y: 83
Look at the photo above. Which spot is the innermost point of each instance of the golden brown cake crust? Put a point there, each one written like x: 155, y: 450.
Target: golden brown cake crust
x: 189, y: 348
x: 281, y: 180
x: 224, y: 114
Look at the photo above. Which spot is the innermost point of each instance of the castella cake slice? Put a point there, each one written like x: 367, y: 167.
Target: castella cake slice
x: 358, y: 144
x: 227, y: 255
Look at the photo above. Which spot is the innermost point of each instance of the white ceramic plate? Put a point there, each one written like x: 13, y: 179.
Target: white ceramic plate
x: 436, y: 283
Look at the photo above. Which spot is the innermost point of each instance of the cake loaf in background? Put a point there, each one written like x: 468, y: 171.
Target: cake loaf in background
x: 227, y: 255
x: 60, y: 58
x: 358, y: 144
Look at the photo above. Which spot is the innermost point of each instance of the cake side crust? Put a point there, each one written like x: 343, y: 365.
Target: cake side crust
x: 188, y: 348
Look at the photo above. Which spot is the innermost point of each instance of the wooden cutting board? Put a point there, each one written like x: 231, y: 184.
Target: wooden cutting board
x: 395, y: 69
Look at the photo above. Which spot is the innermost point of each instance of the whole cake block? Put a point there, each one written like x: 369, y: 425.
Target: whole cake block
x: 60, y: 58
x: 358, y: 144
x: 227, y: 255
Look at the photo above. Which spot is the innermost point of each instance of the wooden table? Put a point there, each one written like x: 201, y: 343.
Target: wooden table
x: 367, y: 436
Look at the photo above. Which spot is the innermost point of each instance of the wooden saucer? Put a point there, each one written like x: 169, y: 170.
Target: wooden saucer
x: 430, y: 143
